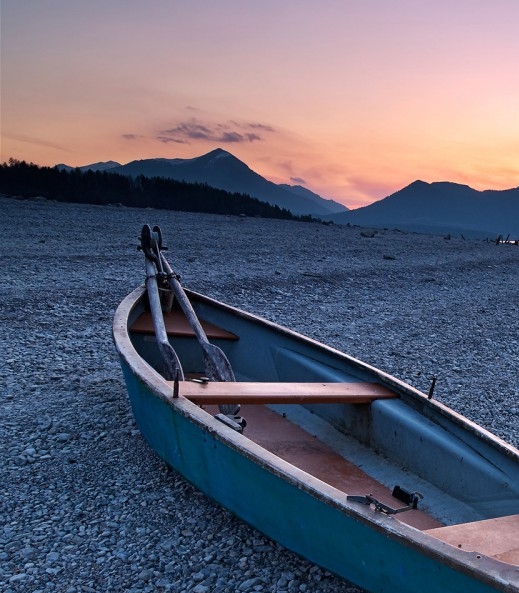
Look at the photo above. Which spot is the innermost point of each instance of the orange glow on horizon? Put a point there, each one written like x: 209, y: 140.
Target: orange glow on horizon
x: 351, y: 100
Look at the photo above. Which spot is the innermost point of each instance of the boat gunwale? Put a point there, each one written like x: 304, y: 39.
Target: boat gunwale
x: 485, y: 568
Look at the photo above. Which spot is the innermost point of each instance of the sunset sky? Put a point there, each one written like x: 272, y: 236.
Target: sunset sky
x: 354, y: 99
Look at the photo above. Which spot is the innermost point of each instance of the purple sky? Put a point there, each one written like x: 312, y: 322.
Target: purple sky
x: 352, y: 98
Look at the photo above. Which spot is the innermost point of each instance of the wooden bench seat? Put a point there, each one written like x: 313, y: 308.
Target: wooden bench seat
x: 282, y: 393
x: 177, y: 325
x: 498, y: 538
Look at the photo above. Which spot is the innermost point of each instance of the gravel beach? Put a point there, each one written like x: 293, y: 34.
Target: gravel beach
x: 85, y: 505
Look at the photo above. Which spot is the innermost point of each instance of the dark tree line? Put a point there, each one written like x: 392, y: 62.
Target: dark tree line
x: 101, y: 187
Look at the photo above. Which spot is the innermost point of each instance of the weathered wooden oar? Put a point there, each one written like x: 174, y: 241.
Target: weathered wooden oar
x: 217, y: 365
x: 169, y: 356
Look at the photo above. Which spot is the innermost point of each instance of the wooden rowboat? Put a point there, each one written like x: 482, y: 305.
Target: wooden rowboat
x: 338, y: 461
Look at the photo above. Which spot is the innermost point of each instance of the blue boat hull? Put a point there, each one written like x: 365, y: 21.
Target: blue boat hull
x: 313, y: 519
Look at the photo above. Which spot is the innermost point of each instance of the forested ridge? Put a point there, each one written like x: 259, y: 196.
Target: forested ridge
x: 19, y: 178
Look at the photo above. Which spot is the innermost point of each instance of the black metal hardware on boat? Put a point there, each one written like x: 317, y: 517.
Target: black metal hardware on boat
x: 202, y: 380
x: 431, y: 388
x: 176, y: 384
x: 411, y: 500
x: 151, y: 244
x: 237, y: 423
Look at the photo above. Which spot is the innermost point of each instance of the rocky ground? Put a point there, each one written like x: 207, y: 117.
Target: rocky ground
x: 85, y: 505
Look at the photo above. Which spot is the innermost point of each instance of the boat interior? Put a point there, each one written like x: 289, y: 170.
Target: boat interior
x: 336, y: 422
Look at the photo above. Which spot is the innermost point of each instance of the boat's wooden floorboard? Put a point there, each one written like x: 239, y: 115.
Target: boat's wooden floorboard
x: 293, y: 444
x: 492, y: 537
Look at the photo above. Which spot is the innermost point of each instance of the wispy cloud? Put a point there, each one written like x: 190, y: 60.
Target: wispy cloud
x: 253, y: 126
x: 167, y: 139
x: 230, y: 132
x: 298, y: 180
x: 37, y: 141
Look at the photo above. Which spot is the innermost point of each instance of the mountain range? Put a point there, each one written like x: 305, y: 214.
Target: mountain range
x: 440, y: 208
x: 436, y: 208
x: 222, y: 170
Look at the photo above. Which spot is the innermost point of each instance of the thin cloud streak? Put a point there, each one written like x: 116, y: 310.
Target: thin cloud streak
x: 167, y: 139
x: 36, y: 142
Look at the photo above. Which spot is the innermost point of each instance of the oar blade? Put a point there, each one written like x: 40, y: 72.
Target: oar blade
x: 218, y: 368
x: 173, y: 367
x: 217, y: 365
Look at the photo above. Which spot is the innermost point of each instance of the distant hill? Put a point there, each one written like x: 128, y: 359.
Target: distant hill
x: 222, y: 170
x: 442, y: 207
x: 102, y: 166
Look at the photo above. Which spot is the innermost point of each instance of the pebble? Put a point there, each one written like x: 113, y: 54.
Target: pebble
x: 86, y: 506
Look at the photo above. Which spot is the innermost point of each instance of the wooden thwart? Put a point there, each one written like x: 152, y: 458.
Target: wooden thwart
x: 177, y: 325
x: 497, y: 537
x: 282, y: 393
